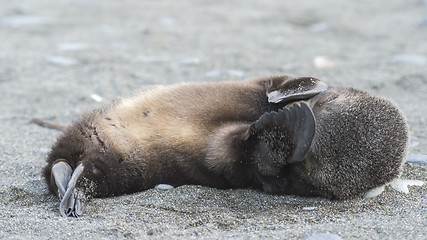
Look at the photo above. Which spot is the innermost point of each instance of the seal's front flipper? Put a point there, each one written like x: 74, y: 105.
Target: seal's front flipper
x: 282, y: 137
x: 294, y: 89
x: 72, y: 204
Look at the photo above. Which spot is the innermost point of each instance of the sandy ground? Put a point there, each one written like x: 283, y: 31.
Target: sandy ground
x: 56, y: 57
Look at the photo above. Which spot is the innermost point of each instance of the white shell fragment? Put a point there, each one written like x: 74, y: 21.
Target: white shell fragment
x: 413, y: 59
x: 324, y: 236
x: 318, y: 27
x: 62, y: 61
x: 374, y: 192
x: 189, y: 61
x: 152, y: 59
x: 24, y: 20
x: 309, y: 208
x: 167, y: 21
x: 213, y: 73
x: 96, y: 97
x: 401, y: 185
x: 236, y: 73
x: 71, y: 46
x: 44, y: 150
x: 417, y: 158
x: 163, y: 187
x: 321, y: 62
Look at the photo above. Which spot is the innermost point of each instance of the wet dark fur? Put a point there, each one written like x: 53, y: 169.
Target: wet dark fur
x: 359, y: 143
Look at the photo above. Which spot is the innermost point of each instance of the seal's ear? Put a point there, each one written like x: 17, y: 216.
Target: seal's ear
x: 294, y: 89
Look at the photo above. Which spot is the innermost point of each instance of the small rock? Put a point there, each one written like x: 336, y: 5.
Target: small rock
x: 44, y: 150
x: 417, y: 158
x: 321, y: 62
x: 163, y: 187
x: 414, y: 59
x: 413, y: 144
x: 324, y: 236
x: 120, y: 45
x: 212, y: 73
x: 96, y: 97
x: 309, y: 208
x: 24, y: 20
x: 71, y: 46
x: 151, y: 59
x: 288, y: 66
x: 167, y: 21
x: 236, y: 73
x: 17, y: 10
x: 63, y: 61
x: 318, y: 27
x: 106, y: 28
x: 279, y: 40
x: 188, y: 61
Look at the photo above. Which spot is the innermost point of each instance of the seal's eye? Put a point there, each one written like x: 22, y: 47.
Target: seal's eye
x: 329, y: 98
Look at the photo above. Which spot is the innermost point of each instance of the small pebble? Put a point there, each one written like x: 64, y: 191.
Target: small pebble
x: 236, y: 73
x: 414, y: 59
x: 106, y: 28
x: 413, y: 144
x: 71, y: 46
x: 288, y: 66
x: 151, y: 59
x: 416, y: 158
x: 96, y: 97
x: 120, y: 45
x: 324, y: 236
x: 23, y: 20
x: 279, y: 40
x: 188, y: 61
x: 163, y: 187
x: 44, y: 150
x: 167, y: 21
x: 309, y: 208
x: 62, y: 61
x: 212, y: 73
x: 318, y: 27
x: 16, y: 11
x: 321, y: 62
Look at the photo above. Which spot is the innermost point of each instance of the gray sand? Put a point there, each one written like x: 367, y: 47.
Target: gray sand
x: 56, y: 54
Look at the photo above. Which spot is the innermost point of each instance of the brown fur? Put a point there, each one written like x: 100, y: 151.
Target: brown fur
x: 198, y: 134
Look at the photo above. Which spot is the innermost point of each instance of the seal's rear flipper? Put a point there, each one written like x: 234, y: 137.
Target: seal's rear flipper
x: 72, y: 203
x: 282, y: 137
x: 61, y: 175
x: 65, y: 180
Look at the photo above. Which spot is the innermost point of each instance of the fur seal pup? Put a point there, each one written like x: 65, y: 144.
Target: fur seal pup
x: 281, y: 135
